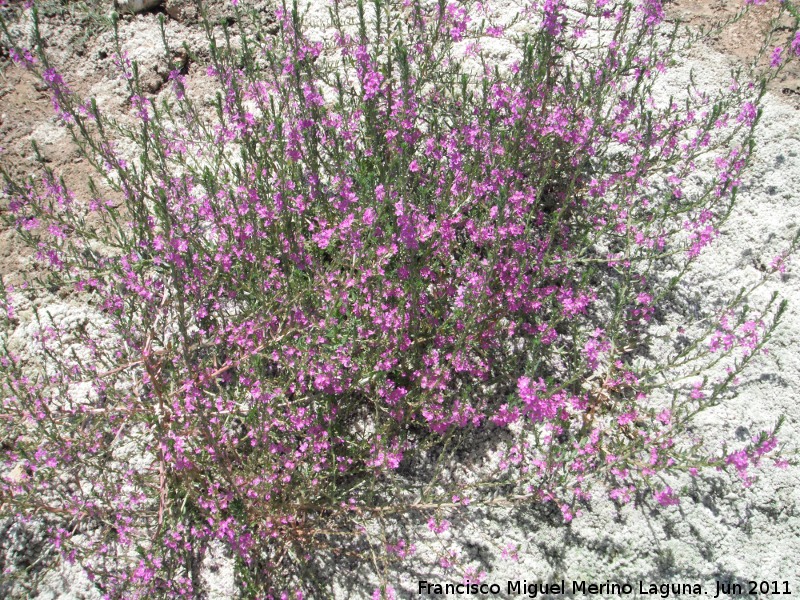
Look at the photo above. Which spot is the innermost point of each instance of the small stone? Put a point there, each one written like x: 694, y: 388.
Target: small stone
x: 136, y: 6
x: 182, y: 11
x: 16, y: 475
x: 185, y: 11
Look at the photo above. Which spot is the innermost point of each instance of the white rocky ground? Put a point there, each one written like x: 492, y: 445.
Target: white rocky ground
x: 720, y: 532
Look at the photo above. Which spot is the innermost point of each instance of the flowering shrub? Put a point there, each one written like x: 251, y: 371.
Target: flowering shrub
x: 371, y: 249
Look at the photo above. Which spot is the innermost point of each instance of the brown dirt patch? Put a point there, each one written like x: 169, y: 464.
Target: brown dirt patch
x: 743, y: 38
x: 26, y: 115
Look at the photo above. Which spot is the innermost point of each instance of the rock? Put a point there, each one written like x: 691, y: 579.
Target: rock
x: 185, y: 11
x: 182, y: 11
x: 136, y: 6
x: 17, y: 475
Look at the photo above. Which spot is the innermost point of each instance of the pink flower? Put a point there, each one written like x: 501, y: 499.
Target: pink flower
x: 765, y: 447
x: 504, y: 416
x: 323, y: 238
x: 622, y: 495
x: 537, y: 406
x: 509, y: 552
x: 25, y: 59
x: 776, y: 57
x: 747, y: 114
x: 652, y: 12
x: 778, y: 263
x: 372, y: 84
x: 567, y: 513
x: 739, y: 460
x: 666, y: 497
x: 438, y: 527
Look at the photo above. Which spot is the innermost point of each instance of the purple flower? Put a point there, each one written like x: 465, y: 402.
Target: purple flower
x: 666, y: 497
x: 776, y: 57
x: 796, y: 44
